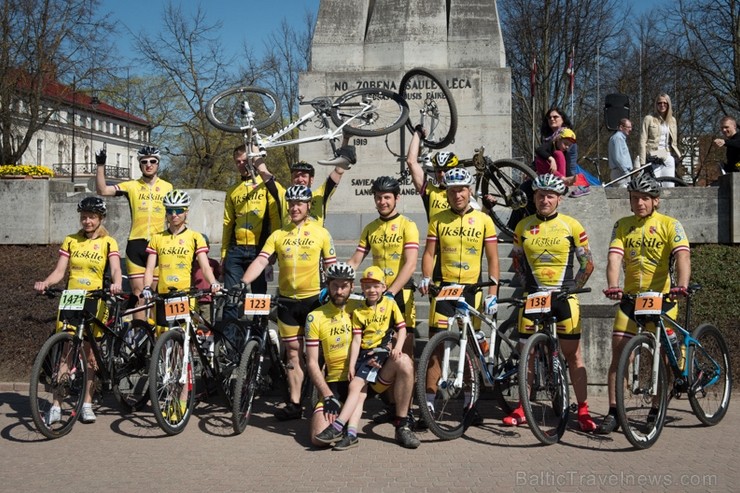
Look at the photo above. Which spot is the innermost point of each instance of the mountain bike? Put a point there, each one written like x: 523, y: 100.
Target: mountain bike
x: 651, y: 164
x: 193, y: 358
x: 543, y: 375
x: 456, y: 360
x: 700, y: 364
x: 120, y: 360
x: 431, y: 106
x: 367, y: 112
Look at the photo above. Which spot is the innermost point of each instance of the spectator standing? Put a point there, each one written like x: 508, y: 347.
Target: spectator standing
x: 659, y: 137
x: 620, y: 162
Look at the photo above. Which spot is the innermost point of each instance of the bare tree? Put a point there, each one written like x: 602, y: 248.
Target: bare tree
x: 187, y: 56
x: 43, y: 42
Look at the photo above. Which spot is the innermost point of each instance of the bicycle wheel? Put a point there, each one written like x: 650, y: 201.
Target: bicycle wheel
x: 224, y: 111
x: 58, y: 381
x: 131, y: 366
x: 506, y: 363
x: 634, y: 392
x: 172, y: 400
x: 245, y: 387
x: 430, y: 105
x: 503, y: 179
x: 369, y: 112
x: 710, y: 375
x: 446, y: 415
x: 545, y: 400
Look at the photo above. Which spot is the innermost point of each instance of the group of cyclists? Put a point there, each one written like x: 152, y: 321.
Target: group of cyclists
x: 368, y: 344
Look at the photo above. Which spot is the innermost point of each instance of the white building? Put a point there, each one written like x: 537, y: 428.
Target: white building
x: 80, y: 126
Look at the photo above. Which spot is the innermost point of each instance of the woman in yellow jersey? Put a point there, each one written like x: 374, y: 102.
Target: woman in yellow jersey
x: 299, y: 247
x: 86, y: 253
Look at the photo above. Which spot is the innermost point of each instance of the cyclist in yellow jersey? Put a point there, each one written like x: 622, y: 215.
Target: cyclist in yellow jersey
x: 252, y: 211
x: 456, y: 242
x: 172, y: 251
x: 147, y: 213
x: 432, y: 193
x: 302, y: 173
x: 545, y: 247
x: 299, y: 247
x: 86, y: 253
x: 645, y: 246
x: 374, y: 357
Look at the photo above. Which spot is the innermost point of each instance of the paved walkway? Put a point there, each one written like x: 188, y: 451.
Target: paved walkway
x: 131, y: 454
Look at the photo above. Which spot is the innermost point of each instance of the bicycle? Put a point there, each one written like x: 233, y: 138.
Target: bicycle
x: 431, y: 106
x: 543, y: 379
x: 651, y: 163
x: 367, y: 112
x: 700, y: 365
x: 186, y: 350
x: 462, y: 361
x: 60, y: 370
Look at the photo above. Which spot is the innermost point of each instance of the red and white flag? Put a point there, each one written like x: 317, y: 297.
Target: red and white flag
x: 571, y: 71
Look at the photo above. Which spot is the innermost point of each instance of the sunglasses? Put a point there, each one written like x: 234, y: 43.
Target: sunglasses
x: 175, y: 212
x: 149, y: 161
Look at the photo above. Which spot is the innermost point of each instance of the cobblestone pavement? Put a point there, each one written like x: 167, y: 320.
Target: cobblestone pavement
x: 132, y: 454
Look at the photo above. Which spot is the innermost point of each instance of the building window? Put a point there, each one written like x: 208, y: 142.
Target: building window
x: 87, y: 154
x: 40, y: 151
x: 60, y: 152
x: 118, y: 160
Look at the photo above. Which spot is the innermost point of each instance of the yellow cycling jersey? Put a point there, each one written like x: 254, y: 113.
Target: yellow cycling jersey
x: 549, y: 246
x: 330, y: 328
x: 434, y: 199
x: 319, y: 202
x: 388, y: 239
x: 145, y: 203
x: 251, y: 212
x: 459, y: 243
x: 87, y: 259
x: 300, y: 250
x: 377, y: 323
x: 647, y: 246
x: 175, y: 254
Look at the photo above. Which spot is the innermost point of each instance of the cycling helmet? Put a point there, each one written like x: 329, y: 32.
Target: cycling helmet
x: 567, y: 134
x: 644, y: 183
x: 299, y: 193
x: 445, y: 160
x: 147, y: 151
x: 340, y: 270
x: 92, y: 204
x: 176, y: 199
x: 550, y: 183
x: 458, y: 177
x: 303, y: 166
x: 384, y: 184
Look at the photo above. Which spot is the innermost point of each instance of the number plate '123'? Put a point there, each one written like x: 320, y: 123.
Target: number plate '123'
x: 73, y: 299
x: 256, y: 304
x: 177, y: 308
x: 539, y: 302
x: 648, y: 303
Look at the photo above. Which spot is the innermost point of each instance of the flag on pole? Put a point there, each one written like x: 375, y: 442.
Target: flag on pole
x: 533, y: 76
x: 571, y: 72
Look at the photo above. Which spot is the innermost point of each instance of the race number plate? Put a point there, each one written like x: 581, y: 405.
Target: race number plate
x: 451, y: 292
x: 539, y: 302
x: 256, y: 304
x: 648, y: 303
x: 72, y: 299
x: 177, y: 308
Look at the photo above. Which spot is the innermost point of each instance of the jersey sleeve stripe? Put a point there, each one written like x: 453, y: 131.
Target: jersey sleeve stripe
x: 330, y: 260
x: 264, y: 255
x: 357, y: 330
x: 312, y: 342
x: 431, y: 238
x: 411, y: 246
x: 151, y: 250
x: 616, y: 249
x: 583, y: 237
x: 681, y: 248
x: 63, y: 253
x: 114, y: 254
x: 361, y: 249
x: 491, y: 239
x: 201, y: 250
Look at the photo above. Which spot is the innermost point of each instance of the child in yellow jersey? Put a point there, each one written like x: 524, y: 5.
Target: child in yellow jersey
x: 86, y: 253
x: 373, y: 359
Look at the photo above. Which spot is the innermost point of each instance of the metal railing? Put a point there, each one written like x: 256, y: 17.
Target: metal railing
x: 89, y: 169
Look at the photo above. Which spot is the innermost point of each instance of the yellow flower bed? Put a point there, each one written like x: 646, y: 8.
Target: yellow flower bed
x: 25, y: 170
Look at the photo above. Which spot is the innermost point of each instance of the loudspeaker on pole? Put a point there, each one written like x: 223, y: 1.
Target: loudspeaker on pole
x: 616, y: 107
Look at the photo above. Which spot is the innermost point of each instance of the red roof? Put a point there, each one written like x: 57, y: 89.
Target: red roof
x: 57, y: 91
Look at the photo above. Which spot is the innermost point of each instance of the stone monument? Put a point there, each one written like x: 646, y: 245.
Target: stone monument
x: 361, y: 43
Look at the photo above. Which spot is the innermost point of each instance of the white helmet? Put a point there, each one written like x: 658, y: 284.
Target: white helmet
x: 458, y: 177
x: 176, y: 199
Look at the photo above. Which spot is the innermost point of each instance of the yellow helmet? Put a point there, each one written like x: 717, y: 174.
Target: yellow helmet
x: 567, y: 134
x: 445, y: 160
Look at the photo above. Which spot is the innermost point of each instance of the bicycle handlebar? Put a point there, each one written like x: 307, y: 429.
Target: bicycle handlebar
x: 558, y: 294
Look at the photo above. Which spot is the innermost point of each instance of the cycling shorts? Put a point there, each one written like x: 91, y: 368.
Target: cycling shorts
x: 624, y: 321
x: 136, y: 258
x: 440, y: 312
x: 341, y: 391
x: 364, y: 368
x: 74, y: 317
x: 567, y: 312
x: 292, y: 316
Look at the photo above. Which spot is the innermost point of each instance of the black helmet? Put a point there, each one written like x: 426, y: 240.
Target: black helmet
x: 644, y: 183
x: 147, y: 151
x: 92, y: 204
x: 340, y: 270
x: 384, y: 184
x: 298, y: 193
x: 303, y: 166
